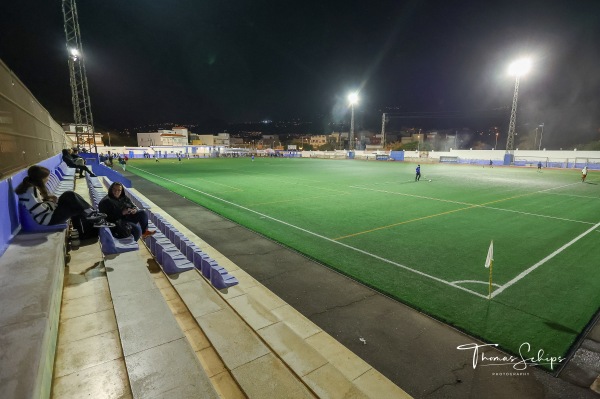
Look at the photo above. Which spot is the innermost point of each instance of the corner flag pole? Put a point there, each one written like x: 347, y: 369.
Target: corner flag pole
x: 489, y: 263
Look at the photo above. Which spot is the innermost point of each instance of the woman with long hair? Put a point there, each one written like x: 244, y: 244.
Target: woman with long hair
x: 117, y: 206
x: 48, y: 209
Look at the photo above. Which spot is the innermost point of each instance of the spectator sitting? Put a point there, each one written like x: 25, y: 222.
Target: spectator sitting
x: 68, y: 159
x: 47, y: 209
x: 76, y: 158
x: 118, y: 206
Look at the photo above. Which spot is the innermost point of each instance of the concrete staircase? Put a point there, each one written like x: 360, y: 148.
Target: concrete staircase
x: 181, y: 337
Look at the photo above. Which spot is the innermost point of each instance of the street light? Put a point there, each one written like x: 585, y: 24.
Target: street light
x: 496, y: 145
x: 516, y: 69
x: 352, y: 99
x: 541, y: 135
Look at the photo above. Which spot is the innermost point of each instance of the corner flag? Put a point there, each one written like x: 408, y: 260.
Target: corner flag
x: 489, y: 263
x: 490, y: 256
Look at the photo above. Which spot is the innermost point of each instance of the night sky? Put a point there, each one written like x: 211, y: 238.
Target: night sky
x: 158, y: 61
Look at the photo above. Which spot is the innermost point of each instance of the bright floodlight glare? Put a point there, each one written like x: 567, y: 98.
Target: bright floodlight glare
x: 520, y: 67
x: 74, y: 52
x: 353, y: 98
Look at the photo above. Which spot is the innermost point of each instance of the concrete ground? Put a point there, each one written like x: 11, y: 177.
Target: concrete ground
x: 416, y: 352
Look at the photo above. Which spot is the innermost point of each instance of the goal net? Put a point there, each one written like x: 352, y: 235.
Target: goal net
x: 533, y: 161
x: 591, y: 163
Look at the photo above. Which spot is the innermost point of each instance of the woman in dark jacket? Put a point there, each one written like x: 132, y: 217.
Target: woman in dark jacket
x: 70, y: 162
x: 117, y: 206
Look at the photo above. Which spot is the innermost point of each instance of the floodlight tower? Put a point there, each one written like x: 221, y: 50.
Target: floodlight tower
x: 82, y: 109
x: 352, y: 99
x: 516, y: 69
x: 383, y: 131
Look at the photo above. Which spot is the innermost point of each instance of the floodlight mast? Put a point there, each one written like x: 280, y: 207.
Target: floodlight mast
x: 82, y: 111
x: 352, y: 99
x: 517, y: 69
x: 383, y: 131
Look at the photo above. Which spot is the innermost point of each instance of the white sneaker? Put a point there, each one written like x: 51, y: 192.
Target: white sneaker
x: 103, y: 223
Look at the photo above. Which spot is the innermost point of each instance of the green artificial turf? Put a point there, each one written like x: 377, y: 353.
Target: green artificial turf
x: 424, y: 243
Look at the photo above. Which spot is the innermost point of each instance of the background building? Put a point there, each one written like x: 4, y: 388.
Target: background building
x: 86, y: 137
x: 176, y: 137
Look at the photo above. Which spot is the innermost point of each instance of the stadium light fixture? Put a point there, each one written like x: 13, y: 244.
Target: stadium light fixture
x: 520, y: 67
x: 353, y: 100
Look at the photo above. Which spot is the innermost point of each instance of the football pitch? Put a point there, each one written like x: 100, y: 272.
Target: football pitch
x: 425, y: 243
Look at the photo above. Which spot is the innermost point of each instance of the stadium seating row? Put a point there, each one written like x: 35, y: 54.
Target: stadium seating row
x: 176, y: 254
x: 31, y: 277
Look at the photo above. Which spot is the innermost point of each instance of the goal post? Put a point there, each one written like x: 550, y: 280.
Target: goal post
x: 533, y: 161
x: 591, y: 163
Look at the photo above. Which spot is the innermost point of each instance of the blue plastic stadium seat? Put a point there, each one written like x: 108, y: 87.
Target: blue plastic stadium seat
x: 171, y: 260
x: 190, y: 250
x: 29, y: 225
x: 112, y: 245
x: 183, y: 243
x: 157, y: 239
x: 201, y: 262
x: 221, y: 281
x: 172, y: 265
x: 206, y: 264
x: 162, y: 249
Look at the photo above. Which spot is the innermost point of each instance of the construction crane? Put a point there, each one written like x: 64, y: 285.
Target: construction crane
x: 82, y: 108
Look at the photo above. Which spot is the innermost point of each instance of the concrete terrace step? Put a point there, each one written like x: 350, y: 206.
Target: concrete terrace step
x: 158, y: 357
x: 118, y: 336
x: 263, y: 340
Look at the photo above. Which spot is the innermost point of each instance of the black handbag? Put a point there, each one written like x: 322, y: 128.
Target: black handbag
x: 122, y: 229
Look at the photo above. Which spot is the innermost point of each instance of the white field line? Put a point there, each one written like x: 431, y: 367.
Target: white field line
x: 477, y: 205
x: 575, y: 195
x: 475, y: 282
x: 546, y: 259
x: 323, y: 237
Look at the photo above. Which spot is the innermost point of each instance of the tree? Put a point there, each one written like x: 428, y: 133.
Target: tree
x: 592, y: 146
x: 331, y: 146
x: 394, y: 146
x: 415, y: 145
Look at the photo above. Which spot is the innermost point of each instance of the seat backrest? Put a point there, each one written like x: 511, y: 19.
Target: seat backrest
x: 29, y: 225
x: 9, y: 225
x: 111, y: 245
x: 10, y: 215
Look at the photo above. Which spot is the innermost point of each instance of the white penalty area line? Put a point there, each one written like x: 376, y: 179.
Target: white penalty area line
x: 478, y: 205
x: 546, y: 259
x: 439, y: 280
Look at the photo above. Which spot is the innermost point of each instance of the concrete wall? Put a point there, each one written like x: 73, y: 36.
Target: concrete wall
x: 28, y: 134
x: 564, y: 159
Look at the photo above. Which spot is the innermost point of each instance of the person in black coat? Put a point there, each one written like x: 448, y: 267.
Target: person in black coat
x: 116, y: 205
x: 70, y: 162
